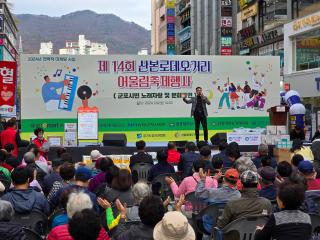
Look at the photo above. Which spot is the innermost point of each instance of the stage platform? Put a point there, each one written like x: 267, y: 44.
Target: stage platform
x: 78, y: 152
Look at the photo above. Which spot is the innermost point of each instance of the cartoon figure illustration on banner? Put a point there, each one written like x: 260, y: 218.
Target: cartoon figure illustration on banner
x: 234, y: 96
x: 225, y: 94
x: 246, y: 94
x: 50, y: 95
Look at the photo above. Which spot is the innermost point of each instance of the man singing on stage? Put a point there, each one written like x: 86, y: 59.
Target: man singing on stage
x: 199, y: 112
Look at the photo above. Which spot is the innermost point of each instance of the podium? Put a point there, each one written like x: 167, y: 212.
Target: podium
x: 279, y: 115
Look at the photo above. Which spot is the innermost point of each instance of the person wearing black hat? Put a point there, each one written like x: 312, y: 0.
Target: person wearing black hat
x: 249, y: 204
x: 49, y: 179
x: 267, y: 178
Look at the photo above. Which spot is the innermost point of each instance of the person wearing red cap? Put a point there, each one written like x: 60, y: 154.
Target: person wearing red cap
x: 227, y: 192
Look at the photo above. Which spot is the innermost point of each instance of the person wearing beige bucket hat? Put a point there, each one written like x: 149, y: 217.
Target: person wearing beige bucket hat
x: 173, y: 226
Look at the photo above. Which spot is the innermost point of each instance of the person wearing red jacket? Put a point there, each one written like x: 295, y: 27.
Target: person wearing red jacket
x: 173, y: 154
x: 39, y: 140
x: 11, y: 135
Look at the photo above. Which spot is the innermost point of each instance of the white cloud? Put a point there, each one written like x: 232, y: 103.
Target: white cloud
x: 138, y: 11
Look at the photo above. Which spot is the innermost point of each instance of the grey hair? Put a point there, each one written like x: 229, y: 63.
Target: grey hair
x: 140, y: 190
x: 263, y: 149
x: 29, y: 157
x: 243, y: 164
x: 6, y: 211
x: 78, y: 201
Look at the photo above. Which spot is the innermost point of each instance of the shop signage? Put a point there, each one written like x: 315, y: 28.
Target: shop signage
x: 318, y: 83
x: 226, y: 51
x: 226, y: 3
x: 244, y: 3
x: 226, y: 41
x: 170, y: 3
x: 1, y: 23
x: 306, y: 22
x: 226, y: 31
x: 247, y: 32
x: 262, y: 38
x: 249, y: 12
x: 226, y: 21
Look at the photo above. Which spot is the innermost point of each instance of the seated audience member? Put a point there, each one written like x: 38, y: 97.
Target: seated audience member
x: 217, y: 164
x: 263, y: 151
x: 267, y: 178
x: 174, y: 226
x: 289, y: 223
x: 243, y: 164
x: 62, y: 217
x: 284, y: 171
x: 120, y: 188
x: 4, y: 172
x: 189, y: 184
x: 162, y: 167
x: 141, y: 156
x: 298, y: 148
x: 233, y: 153
x: 11, y: 160
x: 111, y: 173
x: 151, y: 211
x: 3, y: 158
x: 205, y: 154
x: 173, y: 154
x: 249, y: 203
x: 85, y: 225
x: 227, y: 192
x: 96, y: 156
x: 53, y: 177
x: 297, y: 133
x: 223, y: 148
x: 105, y: 164
x: 82, y: 177
x: 306, y: 169
x: 201, y: 144
x: 8, y: 229
x: 295, y: 160
x: 23, y: 198
x: 187, y: 158
x: 139, y: 191
x: 77, y: 202
x: 66, y: 173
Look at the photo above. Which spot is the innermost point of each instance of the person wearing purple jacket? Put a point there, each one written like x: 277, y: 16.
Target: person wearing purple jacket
x: 96, y: 181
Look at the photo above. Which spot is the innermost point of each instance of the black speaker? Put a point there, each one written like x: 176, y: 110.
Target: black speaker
x: 116, y: 139
x: 218, y: 137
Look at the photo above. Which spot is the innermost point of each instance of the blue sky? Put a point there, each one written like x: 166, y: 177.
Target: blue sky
x: 138, y: 11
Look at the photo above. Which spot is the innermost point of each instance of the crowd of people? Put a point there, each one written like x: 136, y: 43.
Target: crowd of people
x: 103, y: 201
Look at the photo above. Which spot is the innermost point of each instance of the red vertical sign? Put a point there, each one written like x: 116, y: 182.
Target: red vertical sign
x: 8, y: 84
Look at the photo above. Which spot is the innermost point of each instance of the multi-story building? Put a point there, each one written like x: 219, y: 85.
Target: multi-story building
x: 163, y: 27
x: 84, y: 47
x: 302, y: 54
x: 46, y: 48
x: 8, y: 34
x: 206, y: 27
x: 260, y: 28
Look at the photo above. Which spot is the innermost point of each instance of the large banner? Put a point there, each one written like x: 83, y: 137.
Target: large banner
x: 8, y: 83
x: 142, y: 95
